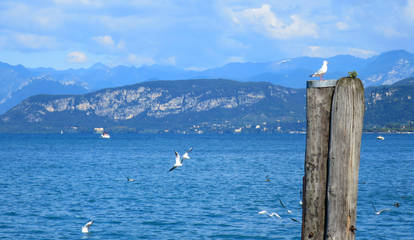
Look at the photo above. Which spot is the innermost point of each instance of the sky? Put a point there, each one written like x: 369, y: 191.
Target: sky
x: 197, y: 34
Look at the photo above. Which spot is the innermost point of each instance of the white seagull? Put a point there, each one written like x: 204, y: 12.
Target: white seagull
x: 380, y: 211
x: 272, y: 214
x: 85, y: 228
x: 185, y: 155
x: 283, y: 205
x: 321, y: 71
x: 179, y: 160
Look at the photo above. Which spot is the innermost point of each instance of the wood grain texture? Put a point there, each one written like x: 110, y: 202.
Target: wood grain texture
x: 318, y: 102
x: 344, y: 155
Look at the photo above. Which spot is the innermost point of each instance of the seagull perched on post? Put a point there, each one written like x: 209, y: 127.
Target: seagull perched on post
x: 179, y: 160
x: 85, y: 228
x: 321, y: 71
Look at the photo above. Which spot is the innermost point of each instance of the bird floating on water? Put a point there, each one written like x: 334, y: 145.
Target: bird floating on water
x: 272, y: 214
x: 321, y: 71
x: 396, y: 204
x: 130, y: 179
x: 85, y: 228
x: 378, y: 212
x: 179, y: 160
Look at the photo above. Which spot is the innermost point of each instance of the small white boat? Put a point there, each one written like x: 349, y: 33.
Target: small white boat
x: 105, y: 135
x: 380, y: 138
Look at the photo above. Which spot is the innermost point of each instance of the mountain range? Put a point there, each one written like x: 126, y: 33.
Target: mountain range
x: 20, y: 82
x: 198, y: 106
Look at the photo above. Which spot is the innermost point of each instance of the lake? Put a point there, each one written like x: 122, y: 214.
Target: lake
x: 51, y: 185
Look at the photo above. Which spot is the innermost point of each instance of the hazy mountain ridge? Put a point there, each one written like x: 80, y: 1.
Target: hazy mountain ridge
x: 161, y: 105
x: 390, y: 107
x: 385, y: 68
x: 195, y: 106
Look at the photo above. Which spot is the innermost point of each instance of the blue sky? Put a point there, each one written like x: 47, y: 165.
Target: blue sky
x: 197, y: 34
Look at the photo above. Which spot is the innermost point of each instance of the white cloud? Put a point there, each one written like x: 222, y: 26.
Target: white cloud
x: 170, y: 61
x: 409, y: 9
x: 140, y: 60
x: 232, y: 43
x: 197, y: 69
x: 76, y: 57
x: 263, y: 20
x: 33, y: 41
x: 362, y: 53
x: 96, y: 3
x: 106, y: 40
x: 388, y: 31
x: 236, y: 59
x: 342, y: 26
x: 325, y: 52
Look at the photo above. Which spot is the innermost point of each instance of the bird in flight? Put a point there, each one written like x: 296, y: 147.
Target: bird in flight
x: 85, y: 228
x: 185, y: 155
x: 321, y: 71
x: 179, y: 160
x: 283, y: 205
x: 378, y: 212
x: 272, y: 214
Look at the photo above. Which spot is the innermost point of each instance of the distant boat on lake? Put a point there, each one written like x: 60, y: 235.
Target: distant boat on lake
x: 380, y: 138
x: 105, y: 135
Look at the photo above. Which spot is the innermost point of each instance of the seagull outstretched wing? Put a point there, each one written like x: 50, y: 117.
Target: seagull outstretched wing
x: 178, y: 161
x: 185, y: 155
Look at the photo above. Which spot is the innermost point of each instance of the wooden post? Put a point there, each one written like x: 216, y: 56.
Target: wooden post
x: 334, y: 128
x: 344, y: 153
x: 318, y: 103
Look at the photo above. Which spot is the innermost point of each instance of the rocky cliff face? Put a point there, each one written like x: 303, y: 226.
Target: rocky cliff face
x: 187, y: 102
x: 390, y: 106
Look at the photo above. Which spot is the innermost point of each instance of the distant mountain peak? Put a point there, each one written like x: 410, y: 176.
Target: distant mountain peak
x: 98, y: 66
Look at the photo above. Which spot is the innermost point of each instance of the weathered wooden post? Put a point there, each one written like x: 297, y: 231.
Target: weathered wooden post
x: 344, y: 151
x: 318, y: 103
x: 334, y: 128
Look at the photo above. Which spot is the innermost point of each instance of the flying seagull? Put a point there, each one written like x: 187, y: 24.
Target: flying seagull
x: 179, y: 160
x: 85, y: 228
x: 283, y: 205
x: 272, y: 214
x: 321, y: 71
x: 380, y: 211
x: 185, y: 155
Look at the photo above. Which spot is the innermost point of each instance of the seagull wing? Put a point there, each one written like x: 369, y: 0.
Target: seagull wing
x: 294, y: 219
x: 383, y: 210
x: 321, y: 70
x: 274, y: 214
x: 373, y: 206
x: 172, y: 168
x: 185, y: 155
x: 177, y: 158
x: 88, y: 224
x: 281, y: 203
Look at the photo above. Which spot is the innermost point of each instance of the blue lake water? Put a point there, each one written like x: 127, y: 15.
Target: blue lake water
x: 50, y: 185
